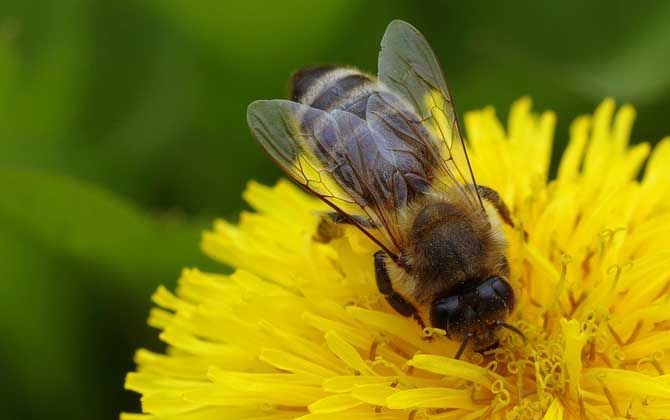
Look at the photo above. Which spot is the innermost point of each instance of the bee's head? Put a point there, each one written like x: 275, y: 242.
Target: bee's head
x: 474, y: 311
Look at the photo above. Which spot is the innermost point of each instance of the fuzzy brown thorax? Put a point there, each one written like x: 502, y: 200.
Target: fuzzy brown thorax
x: 450, y: 243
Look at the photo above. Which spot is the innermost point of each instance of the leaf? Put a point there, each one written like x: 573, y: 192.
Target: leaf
x: 76, y: 259
x: 254, y: 32
x: 39, y: 350
x: 638, y: 72
x: 78, y: 220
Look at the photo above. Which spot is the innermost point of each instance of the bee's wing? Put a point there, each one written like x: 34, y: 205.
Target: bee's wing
x: 409, y: 68
x: 334, y: 156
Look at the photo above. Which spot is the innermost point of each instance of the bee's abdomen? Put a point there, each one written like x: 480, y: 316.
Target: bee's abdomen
x: 305, y: 78
x: 328, y: 88
x: 369, y: 159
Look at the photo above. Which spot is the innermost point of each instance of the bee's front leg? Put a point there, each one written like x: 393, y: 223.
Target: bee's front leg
x: 395, y: 299
x: 492, y: 196
x: 330, y: 226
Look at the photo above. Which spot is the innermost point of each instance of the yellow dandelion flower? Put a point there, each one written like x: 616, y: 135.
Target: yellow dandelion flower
x: 299, y: 330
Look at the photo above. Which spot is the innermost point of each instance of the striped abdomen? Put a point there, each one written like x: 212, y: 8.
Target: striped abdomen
x: 329, y: 88
x: 384, y: 155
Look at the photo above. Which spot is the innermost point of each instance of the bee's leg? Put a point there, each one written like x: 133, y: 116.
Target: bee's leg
x: 493, y: 197
x: 489, y: 347
x: 329, y: 227
x: 395, y: 299
x: 462, y: 347
x: 338, y: 218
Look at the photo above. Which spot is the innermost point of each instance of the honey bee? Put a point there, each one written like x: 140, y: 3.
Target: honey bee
x: 387, y: 155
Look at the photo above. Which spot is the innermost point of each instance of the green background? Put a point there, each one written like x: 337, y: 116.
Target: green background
x: 123, y: 134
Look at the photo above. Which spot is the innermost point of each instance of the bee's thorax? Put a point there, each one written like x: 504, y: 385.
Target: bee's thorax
x: 451, y: 243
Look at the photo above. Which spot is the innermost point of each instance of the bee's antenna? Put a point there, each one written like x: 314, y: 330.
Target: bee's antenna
x: 513, y: 329
x: 461, y: 349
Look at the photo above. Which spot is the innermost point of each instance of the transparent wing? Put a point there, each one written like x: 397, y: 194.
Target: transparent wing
x: 337, y: 158
x: 409, y: 69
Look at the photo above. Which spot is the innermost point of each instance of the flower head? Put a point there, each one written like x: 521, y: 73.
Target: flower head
x: 299, y: 330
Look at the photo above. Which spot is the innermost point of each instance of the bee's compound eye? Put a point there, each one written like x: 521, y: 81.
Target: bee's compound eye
x: 446, y: 312
x: 496, y: 291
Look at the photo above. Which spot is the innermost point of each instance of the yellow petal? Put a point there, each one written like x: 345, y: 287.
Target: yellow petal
x: 629, y: 383
x: 348, y: 383
x: 431, y: 398
x: 334, y: 403
x: 373, y: 394
x: 454, y: 368
x: 347, y: 353
x: 574, y: 342
x: 554, y: 412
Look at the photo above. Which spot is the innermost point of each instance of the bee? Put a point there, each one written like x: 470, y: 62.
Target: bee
x: 387, y: 155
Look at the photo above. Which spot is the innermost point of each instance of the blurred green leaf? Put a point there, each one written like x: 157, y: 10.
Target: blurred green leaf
x: 245, y: 33
x: 83, y: 222
x: 39, y: 329
x: 77, y: 261
x: 43, y: 46
x: 637, y: 71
